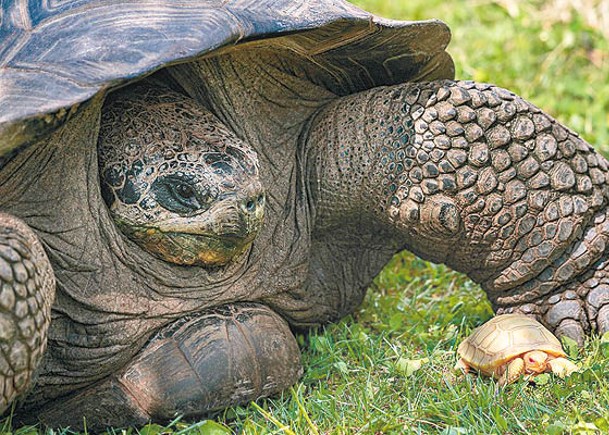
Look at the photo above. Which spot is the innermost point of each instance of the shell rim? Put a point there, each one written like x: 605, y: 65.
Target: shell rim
x: 21, y: 126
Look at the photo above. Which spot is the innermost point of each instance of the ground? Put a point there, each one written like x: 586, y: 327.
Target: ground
x: 388, y: 368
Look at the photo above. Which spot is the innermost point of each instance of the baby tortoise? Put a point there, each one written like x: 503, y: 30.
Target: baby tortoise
x: 511, y: 345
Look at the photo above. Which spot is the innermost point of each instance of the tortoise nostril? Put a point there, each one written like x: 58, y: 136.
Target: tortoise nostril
x: 253, y: 203
x: 250, y: 206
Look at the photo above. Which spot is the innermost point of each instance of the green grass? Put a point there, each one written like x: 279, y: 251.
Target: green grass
x: 388, y: 368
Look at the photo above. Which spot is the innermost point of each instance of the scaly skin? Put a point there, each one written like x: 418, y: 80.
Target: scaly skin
x: 475, y: 177
x: 465, y: 174
x: 27, y: 290
x: 139, y: 338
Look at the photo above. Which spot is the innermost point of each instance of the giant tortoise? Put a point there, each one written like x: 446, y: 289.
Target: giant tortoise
x: 183, y: 183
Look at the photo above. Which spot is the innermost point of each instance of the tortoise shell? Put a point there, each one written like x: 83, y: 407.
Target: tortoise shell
x: 505, y: 337
x: 57, y: 55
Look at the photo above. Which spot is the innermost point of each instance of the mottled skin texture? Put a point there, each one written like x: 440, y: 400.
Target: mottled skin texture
x: 176, y: 181
x: 133, y: 337
x: 460, y: 173
x: 27, y: 290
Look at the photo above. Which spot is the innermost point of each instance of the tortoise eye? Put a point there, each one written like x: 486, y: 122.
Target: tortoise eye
x: 185, y: 191
x: 177, y: 195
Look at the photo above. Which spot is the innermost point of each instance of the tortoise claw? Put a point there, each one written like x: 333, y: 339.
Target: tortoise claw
x: 598, y: 306
x: 581, y: 308
x: 575, y: 310
x: 572, y: 329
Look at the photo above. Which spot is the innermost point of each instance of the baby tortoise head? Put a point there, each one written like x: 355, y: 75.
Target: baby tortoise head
x: 177, y: 181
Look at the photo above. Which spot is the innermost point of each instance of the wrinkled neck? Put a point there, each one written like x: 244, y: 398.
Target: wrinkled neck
x: 347, y: 148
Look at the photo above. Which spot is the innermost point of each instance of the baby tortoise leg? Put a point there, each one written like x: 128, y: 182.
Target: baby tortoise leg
x: 462, y: 365
x: 562, y: 367
x: 512, y: 372
x: 27, y: 290
x: 473, y: 176
x: 205, y: 362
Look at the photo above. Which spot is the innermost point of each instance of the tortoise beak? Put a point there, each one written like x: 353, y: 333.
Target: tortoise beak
x: 210, y: 238
x: 214, y: 237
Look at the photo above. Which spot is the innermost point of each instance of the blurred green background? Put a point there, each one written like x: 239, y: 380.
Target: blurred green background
x: 552, y: 52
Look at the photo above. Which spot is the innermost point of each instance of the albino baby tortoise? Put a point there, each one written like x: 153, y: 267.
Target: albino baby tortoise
x: 510, y: 345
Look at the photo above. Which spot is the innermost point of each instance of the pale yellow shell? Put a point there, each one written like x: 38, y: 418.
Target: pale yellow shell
x: 505, y: 337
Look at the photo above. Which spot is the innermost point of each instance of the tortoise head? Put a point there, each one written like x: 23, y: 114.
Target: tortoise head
x: 535, y: 361
x: 177, y: 181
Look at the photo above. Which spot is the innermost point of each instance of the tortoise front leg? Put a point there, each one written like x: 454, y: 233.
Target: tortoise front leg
x: 462, y: 365
x: 512, y: 372
x: 562, y: 367
x: 27, y: 290
x: 475, y: 177
x: 208, y: 361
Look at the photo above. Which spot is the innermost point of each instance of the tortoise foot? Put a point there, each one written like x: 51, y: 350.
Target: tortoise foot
x: 205, y: 362
x: 562, y: 367
x: 462, y: 365
x: 574, y: 310
x: 512, y: 372
x: 27, y: 290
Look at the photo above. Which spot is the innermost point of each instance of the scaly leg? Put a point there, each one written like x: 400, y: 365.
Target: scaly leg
x: 475, y: 177
x: 562, y: 367
x: 27, y: 290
